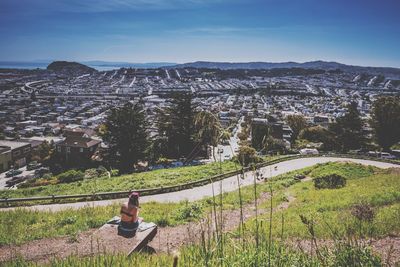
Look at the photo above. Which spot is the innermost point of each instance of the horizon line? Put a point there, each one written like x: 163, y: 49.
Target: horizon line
x: 44, y: 61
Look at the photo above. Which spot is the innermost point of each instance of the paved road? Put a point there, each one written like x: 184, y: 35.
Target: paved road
x: 229, y: 184
x: 227, y: 152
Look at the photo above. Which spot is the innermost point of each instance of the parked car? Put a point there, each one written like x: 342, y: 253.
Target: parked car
x: 225, y: 142
x: 33, y: 165
x: 194, y: 162
x: 373, y: 153
x: 308, y: 151
x: 386, y: 155
x: 12, y: 173
x: 15, y: 180
x: 41, y: 171
x: 362, y: 151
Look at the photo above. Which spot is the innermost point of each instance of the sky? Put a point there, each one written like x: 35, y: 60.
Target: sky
x: 358, y: 32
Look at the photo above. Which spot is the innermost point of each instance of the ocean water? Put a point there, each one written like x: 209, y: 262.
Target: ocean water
x: 22, y: 65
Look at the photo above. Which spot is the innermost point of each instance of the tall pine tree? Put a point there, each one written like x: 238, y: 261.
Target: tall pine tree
x: 348, y: 129
x: 386, y: 121
x: 126, y: 135
x: 176, y: 127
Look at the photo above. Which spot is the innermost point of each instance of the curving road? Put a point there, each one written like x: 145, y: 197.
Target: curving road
x: 229, y: 184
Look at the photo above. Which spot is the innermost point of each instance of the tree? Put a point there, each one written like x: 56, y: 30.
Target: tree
x: 175, y: 125
x: 386, y: 121
x: 247, y: 155
x: 209, y: 131
x: 296, y: 123
x: 274, y: 145
x: 348, y: 129
x: 259, y: 133
x: 125, y: 132
x: 318, y: 134
x: 208, y: 128
x: 2, y: 136
x: 43, y: 152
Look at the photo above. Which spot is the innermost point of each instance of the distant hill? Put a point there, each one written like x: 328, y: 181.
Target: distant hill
x: 324, y: 65
x: 150, y: 65
x: 69, y: 67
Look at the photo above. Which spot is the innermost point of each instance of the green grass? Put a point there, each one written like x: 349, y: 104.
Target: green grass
x: 348, y: 170
x: 231, y: 253
x: 150, y: 179
x: 134, y: 181
x: 331, y: 208
x: 20, y: 226
x: 25, y: 225
x: 39, y: 224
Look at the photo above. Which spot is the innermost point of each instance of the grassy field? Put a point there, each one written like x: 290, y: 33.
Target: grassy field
x: 22, y: 225
x: 326, y: 204
x: 329, y: 209
x: 261, y: 254
x: 150, y: 179
x: 134, y: 181
x: 332, y: 208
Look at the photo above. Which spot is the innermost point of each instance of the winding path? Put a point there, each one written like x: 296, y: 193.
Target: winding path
x: 228, y: 185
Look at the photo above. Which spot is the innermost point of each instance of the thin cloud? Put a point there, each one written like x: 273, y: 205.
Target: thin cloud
x: 98, y: 6
x: 225, y: 30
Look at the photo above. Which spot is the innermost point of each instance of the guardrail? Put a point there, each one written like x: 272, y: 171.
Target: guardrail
x: 174, y: 188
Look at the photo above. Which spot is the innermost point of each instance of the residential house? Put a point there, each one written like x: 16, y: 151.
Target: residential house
x: 77, y: 148
x: 20, y: 152
x: 5, y: 158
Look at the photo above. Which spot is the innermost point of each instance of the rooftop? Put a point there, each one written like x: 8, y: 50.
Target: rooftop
x: 13, y: 144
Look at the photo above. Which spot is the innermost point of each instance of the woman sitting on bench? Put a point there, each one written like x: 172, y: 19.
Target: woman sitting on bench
x: 129, y: 216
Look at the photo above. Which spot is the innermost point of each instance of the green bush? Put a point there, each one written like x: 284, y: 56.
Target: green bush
x: 101, y: 171
x: 190, y: 211
x: 330, y: 181
x: 91, y: 173
x: 114, y: 173
x: 247, y: 155
x: 353, y: 255
x: 70, y: 176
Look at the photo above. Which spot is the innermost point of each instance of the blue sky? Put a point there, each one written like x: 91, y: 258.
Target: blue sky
x: 362, y: 32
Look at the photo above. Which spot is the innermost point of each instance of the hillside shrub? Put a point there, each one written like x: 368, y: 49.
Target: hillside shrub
x: 189, y: 211
x: 330, y: 181
x: 354, y: 255
x: 101, y: 171
x: 114, y: 173
x: 90, y: 173
x: 363, y: 212
x: 247, y: 155
x: 70, y: 176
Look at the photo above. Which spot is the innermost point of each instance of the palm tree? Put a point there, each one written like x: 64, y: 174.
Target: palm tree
x: 208, y: 129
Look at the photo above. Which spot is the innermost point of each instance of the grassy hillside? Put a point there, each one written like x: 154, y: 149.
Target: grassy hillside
x: 331, y: 209
x: 22, y: 225
x: 150, y: 179
x: 134, y: 181
x: 327, y: 214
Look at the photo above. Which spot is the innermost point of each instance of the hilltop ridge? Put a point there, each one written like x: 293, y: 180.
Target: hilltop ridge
x: 318, y: 64
x: 66, y: 66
